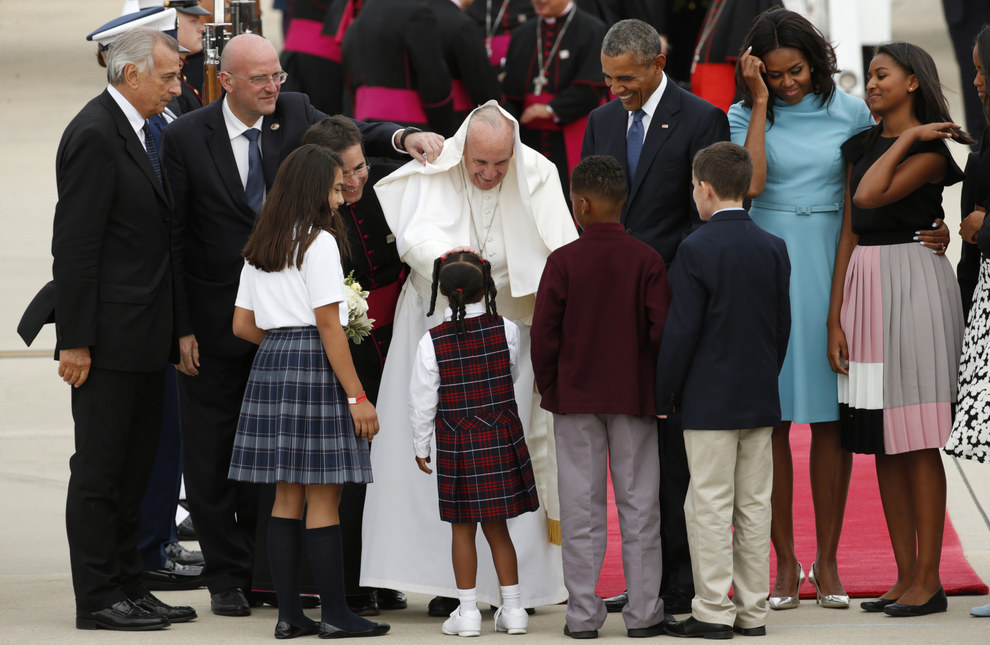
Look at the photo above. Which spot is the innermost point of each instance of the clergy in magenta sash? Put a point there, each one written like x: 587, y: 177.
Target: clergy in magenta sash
x: 553, y: 79
x: 489, y: 192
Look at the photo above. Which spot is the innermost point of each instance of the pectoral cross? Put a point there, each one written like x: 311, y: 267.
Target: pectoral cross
x: 539, y: 82
x: 488, y: 46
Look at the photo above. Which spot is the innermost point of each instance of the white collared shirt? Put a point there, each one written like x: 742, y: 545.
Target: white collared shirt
x: 134, y: 117
x: 238, y: 142
x: 424, y: 387
x: 567, y: 10
x: 649, y: 107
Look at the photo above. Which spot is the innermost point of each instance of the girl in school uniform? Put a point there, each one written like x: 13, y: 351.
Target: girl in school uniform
x: 461, y: 390
x: 305, y: 424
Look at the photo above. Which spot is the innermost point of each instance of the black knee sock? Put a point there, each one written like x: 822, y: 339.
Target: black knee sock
x: 326, y: 556
x: 283, y: 558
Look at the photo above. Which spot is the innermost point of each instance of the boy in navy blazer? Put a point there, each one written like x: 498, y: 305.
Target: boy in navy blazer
x: 722, y: 349
x: 599, y: 316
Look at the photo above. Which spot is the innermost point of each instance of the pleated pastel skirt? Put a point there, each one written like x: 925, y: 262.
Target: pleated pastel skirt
x: 902, y: 317
x: 294, y: 424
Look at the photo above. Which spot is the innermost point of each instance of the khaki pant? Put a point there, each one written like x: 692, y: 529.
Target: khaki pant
x: 731, y: 482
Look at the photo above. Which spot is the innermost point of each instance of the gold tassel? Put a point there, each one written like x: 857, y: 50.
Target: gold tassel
x: 553, y: 531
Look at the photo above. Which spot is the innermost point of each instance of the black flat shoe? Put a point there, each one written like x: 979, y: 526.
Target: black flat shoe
x: 936, y: 604
x: 175, y: 614
x: 122, y: 616
x: 693, y: 628
x: 616, y: 603
x: 441, y: 606
x: 285, y: 630
x: 877, y: 605
x: 391, y: 600
x: 329, y: 631
x: 750, y: 631
x: 581, y: 635
x: 231, y: 602
x: 647, y: 632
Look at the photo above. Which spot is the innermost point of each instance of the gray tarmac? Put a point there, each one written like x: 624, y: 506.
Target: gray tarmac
x: 48, y: 73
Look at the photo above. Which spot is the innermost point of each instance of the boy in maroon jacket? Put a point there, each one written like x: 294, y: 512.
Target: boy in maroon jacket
x: 600, y: 311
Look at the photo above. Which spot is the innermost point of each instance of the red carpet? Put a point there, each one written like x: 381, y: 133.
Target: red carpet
x: 866, y: 562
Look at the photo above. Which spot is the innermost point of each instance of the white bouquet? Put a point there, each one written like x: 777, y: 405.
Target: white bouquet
x: 358, y: 324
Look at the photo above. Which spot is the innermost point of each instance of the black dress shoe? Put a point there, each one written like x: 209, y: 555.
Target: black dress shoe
x: 876, y: 605
x: 364, y: 604
x: 122, y: 616
x: 750, y: 631
x: 185, y: 529
x: 177, y: 614
x: 390, y: 599
x: 590, y: 633
x: 647, y: 632
x: 441, y: 606
x: 285, y: 630
x: 616, y: 603
x: 174, y: 576
x: 329, y: 631
x: 231, y: 602
x: 693, y: 628
x: 178, y: 553
x: 937, y: 603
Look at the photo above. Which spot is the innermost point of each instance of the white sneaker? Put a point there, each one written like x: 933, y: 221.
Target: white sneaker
x: 513, y: 621
x: 463, y: 624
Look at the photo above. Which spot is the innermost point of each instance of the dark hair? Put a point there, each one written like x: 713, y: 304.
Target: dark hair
x: 296, y: 209
x: 338, y: 133
x: 726, y: 166
x: 983, y: 56
x: 464, y: 278
x: 634, y: 37
x: 776, y: 28
x: 929, y: 103
x: 599, y: 176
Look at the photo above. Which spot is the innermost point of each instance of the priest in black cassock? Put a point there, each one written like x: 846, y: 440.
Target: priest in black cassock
x: 393, y: 59
x: 312, y: 57
x: 473, y: 80
x: 498, y: 18
x: 553, y: 79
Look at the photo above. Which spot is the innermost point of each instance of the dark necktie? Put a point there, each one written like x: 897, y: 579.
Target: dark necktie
x: 634, y: 143
x: 255, y: 188
x: 151, y: 146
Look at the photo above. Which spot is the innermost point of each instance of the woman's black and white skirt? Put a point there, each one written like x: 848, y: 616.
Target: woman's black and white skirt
x: 295, y: 425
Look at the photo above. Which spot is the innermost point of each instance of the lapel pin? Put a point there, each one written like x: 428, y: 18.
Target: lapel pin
x: 665, y: 126
x: 275, y: 127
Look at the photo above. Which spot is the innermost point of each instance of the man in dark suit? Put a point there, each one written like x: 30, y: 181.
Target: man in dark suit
x: 113, y: 295
x: 654, y: 128
x: 218, y: 176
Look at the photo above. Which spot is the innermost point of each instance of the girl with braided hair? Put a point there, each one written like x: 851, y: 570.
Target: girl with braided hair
x: 462, y: 391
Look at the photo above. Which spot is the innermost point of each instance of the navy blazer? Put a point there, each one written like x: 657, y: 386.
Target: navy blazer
x: 659, y: 209
x: 212, y: 217
x: 110, y: 244
x: 727, y: 330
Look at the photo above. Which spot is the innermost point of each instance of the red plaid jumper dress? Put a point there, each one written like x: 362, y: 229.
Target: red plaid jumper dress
x: 483, y: 469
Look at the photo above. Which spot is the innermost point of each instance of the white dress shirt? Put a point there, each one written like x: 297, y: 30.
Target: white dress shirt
x: 238, y: 142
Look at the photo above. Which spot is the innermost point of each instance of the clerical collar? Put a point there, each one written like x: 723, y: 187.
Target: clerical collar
x: 458, y: 3
x: 567, y: 10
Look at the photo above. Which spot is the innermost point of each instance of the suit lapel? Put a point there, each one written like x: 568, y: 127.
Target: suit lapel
x: 271, y: 145
x: 218, y: 143
x: 133, y: 145
x: 662, y: 124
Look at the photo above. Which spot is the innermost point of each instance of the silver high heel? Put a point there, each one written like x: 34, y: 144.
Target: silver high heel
x: 832, y: 600
x: 788, y: 602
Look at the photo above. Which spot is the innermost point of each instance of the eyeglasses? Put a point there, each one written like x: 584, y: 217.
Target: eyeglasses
x: 262, y: 81
x: 360, y: 172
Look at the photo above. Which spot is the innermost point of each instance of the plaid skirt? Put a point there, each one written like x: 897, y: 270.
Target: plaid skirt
x: 294, y: 424
x: 483, y: 468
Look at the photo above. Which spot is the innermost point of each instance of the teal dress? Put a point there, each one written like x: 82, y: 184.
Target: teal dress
x: 802, y: 204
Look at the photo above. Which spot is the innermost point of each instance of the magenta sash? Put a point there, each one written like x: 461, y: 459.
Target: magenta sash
x: 573, y: 131
x: 306, y: 37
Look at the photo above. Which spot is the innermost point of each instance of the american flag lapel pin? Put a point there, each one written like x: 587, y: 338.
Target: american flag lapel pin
x: 665, y: 126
